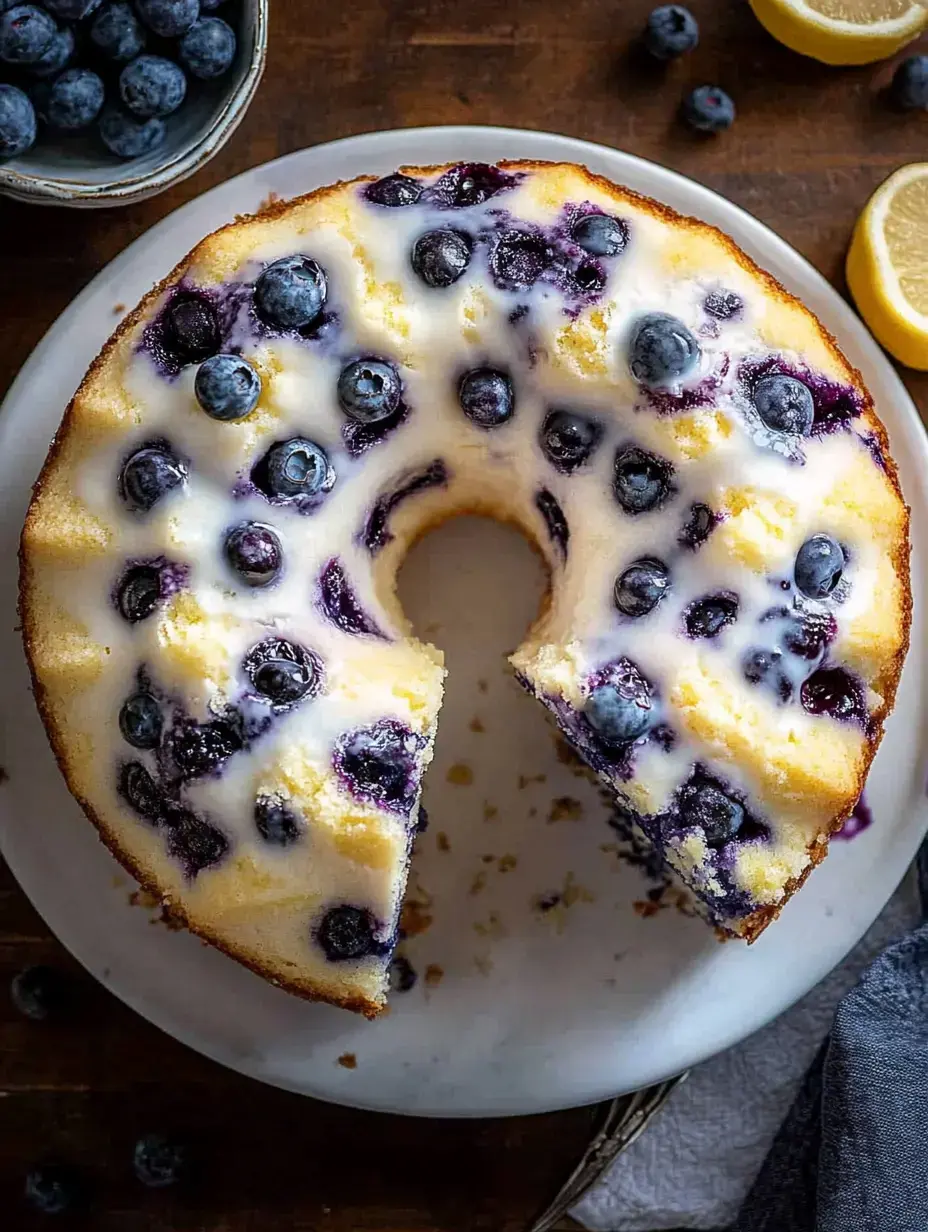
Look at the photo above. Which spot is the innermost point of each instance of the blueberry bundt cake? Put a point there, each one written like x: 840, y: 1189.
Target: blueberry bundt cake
x: 209, y: 559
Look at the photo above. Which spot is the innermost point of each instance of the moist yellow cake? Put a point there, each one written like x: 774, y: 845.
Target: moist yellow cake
x: 208, y: 563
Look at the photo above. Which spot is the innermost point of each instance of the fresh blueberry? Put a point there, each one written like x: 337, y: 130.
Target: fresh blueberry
x: 642, y: 481
x: 57, y: 55
x: 486, y: 397
x: 699, y: 525
x: 394, y: 191
x: 835, y: 692
x: 402, y: 974
x: 549, y: 507
x: 75, y: 100
x: 909, y: 89
x: 148, y: 475
x: 116, y: 32
x: 152, y: 86
x: 620, y: 711
x: 568, y: 440
x: 25, y: 34
x: 640, y: 588
x: 470, y: 184
x: 290, y: 293
x: 661, y: 350
x: 708, y: 109
x: 141, y: 792
x: 379, y: 763
x: 53, y: 1190
x: 254, y: 552
x: 819, y: 566
x: 784, y: 404
x: 39, y: 993
x: 227, y: 387
x: 283, y: 671
x: 762, y: 666
x: 441, y: 257
x: 346, y: 933
x: 169, y: 18
x: 17, y: 122
x: 159, y: 1161
x: 601, y: 235
x: 276, y: 823
x: 191, y: 327
x: 140, y: 721
x: 723, y: 305
x: 369, y: 390
x: 208, y: 48
x: 702, y: 803
x: 293, y: 469
x: 670, y: 31
x: 707, y: 617
x: 518, y: 259
x: 341, y: 605
x: 127, y: 137
x: 201, y: 748
x: 139, y: 592
x: 71, y: 10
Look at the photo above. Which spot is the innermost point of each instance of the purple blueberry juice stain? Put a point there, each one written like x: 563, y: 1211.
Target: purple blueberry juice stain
x: 340, y: 604
x: 861, y: 819
x: 376, y: 533
x: 705, y: 392
x: 359, y: 437
x: 835, y: 404
x: 555, y: 521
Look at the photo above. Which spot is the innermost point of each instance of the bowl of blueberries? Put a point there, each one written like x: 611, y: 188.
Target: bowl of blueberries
x: 104, y: 102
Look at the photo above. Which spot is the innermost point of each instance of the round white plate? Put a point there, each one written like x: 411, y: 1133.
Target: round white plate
x: 516, y: 1010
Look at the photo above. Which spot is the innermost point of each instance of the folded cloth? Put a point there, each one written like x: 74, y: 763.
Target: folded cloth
x: 705, y: 1150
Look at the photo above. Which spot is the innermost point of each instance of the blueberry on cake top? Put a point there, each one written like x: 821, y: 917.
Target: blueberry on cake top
x: 208, y: 563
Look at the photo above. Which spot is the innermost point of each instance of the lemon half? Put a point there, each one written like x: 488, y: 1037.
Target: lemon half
x: 843, y: 31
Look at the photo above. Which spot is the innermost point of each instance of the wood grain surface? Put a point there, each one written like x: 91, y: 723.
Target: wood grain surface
x: 808, y: 147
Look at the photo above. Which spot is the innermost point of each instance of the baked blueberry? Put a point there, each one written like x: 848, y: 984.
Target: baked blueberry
x: 909, y: 89
x: 441, y: 257
x: 201, y: 748
x: 369, y: 390
x: 588, y: 278
x: 227, y: 387
x: 139, y: 592
x: 550, y: 509
x: 53, y: 1190
x: 763, y: 666
x: 159, y: 1161
x: 723, y: 305
x: 341, y: 605
x: 191, y: 327
x: 169, y: 18
x: 57, y: 55
x: 469, y: 184
x: 293, y: 469
x: 379, y: 763
x: 117, y: 33
x: 140, y: 791
x: 25, y: 33
x: 640, y: 588
x: 699, y: 525
x: 601, y: 235
x: 518, y: 259
x: 346, y: 933
x: 283, y: 671
x: 808, y: 633
x: 402, y: 974
x: 141, y: 720
x: 17, y: 122
x: 784, y: 404
x: 193, y: 842
x: 670, y: 31
x: 128, y: 137
x: 708, y: 109
x: 290, y: 293
x: 152, y: 86
x: 376, y: 533
x: 394, y: 191
x: 708, y: 616
x: 642, y: 480
x: 835, y: 692
x: 148, y: 475
x: 703, y: 803
x: 75, y: 100
x: 276, y: 822
x: 568, y: 439
x: 254, y: 552
x: 486, y: 397
x: 39, y: 993
x: 208, y: 48
x: 619, y: 711
x: 661, y: 350
x: 819, y: 566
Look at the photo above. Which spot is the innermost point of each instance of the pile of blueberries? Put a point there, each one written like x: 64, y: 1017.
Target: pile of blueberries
x: 119, y: 67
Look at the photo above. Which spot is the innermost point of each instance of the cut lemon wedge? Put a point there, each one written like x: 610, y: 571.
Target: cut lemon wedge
x: 887, y: 264
x: 843, y: 31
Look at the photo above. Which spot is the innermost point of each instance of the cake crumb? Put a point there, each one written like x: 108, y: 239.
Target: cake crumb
x: 434, y: 974
x: 271, y: 199
x: 442, y: 842
x: 483, y: 686
x: 565, y: 808
x: 490, y: 811
x: 646, y: 907
x: 170, y: 919
x: 476, y: 724
x: 119, y: 308
x: 488, y: 857
x: 493, y: 927
x: 143, y: 898
x: 533, y: 812
x: 479, y: 882
x: 557, y: 904
x: 483, y: 963
x: 507, y: 863
x: 414, y: 918
x: 525, y: 780
x: 348, y: 1060
x: 460, y: 774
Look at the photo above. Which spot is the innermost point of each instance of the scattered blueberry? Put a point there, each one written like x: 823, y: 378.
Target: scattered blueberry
x: 549, y: 507
x: 835, y: 692
x: 140, y: 721
x: 276, y: 823
x: 116, y: 32
x: 394, y: 191
x: 699, y: 525
x: 642, y: 480
x: 402, y: 974
x: 346, y: 933
x: 159, y: 1161
x: 601, y: 235
x: 486, y: 397
x: 568, y: 439
x: 661, y: 350
x: 57, y: 55
x: 53, y: 1190
x: 290, y: 293
x: 441, y: 257
x: 620, y: 711
x: 369, y: 390
x: 703, y: 803
x: 127, y: 137
x: 191, y: 327
x: 75, y: 100
x: 17, y: 122
x: 762, y: 666
x: 193, y: 842
x: 708, y: 616
x: 909, y: 89
x: 640, y: 588
x: 169, y: 18
x: 208, y: 48
x: 39, y: 993
x: 148, y: 475
x: 819, y: 566
x: 200, y: 748
x: 708, y: 109
x: 152, y: 86
x: 379, y: 763
x: 518, y: 259
x: 254, y: 553
x: 723, y: 305
x: 784, y: 404
x: 670, y: 31
x: 283, y: 671
x: 70, y: 10
x: 141, y: 792
x: 227, y: 387
x: 293, y: 469
x: 139, y: 592
x: 25, y: 34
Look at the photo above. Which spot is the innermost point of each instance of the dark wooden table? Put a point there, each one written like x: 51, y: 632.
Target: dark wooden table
x: 809, y: 145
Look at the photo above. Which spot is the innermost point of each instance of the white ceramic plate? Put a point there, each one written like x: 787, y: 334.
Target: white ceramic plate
x: 532, y: 1011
